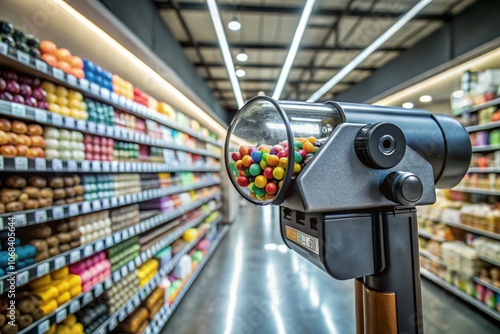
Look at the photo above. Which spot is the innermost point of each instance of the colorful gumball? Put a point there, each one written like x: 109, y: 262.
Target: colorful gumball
x: 268, y: 172
x: 262, y: 164
x: 255, y: 169
x: 243, y: 181
x: 296, y: 168
x: 283, y: 163
x: 236, y: 156
x: 272, y: 160
x: 271, y: 188
x: 297, y: 144
x: 278, y: 173
x: 265, y: 155
x: 261, y: 181
x: 308, y: 147
x: 247, y: 161
x: 243, y: 150
x: 247, y: 172
x: 239, y: 165
x: 302, y: 153
x: 298, y: 157
x: 256, y: 156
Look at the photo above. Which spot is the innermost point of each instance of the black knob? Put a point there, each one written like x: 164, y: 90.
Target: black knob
x: 380, y: 145
x: 403, y: 188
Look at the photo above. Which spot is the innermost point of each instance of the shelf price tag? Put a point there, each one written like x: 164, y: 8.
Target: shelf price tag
x: 84, y: 84
x: 98, y: 290
x: 74, y: 306
x: 128, y: 198
x: 40, y: 216
x: 96, y: 166
x: 117, y: 237
x: 99, y: 246
x: 137, y: 261
x: 42, y: 269
x: 106, y: 167
x: 124, y: 271
x: 40, y: 164
x: 43, y: 327
x: 23, y: 57
x: 94, y: 88
x: 116, y: 276
x: 72, y: 80
x: 113, y: 323
x: 40, y: 115
x: 57, y: 212
x: 87, y: 298
x: 57, y: 120
x: 128, y: 104
x: 20, y: 219
x: 4, y: 48
x: 101, y: 129
x: 21, y: 163
x: 130, y: 308
x: 108, y: 283
x: 58, y: 74
x: 91, y: 126
x: 105, y: 203
x: 69, y: 122
x: 114, y: 166
x: 96, y: 205
x: 105, y: 93
x: 22, y: 278
x: 18, y: 109
x: 109, y: 241
x: 74, y: 256
x: 73, y: 210
x: 110, y: 131
x: 114, y: 98
x: 61, y: 315
x: 86, y: 207
x: 86, y: 166
x: 136, y: 301
x: 125, y: 235
x: 57, y: 165
x: 122, y: 315
x: 81, y: 125
x: 72, y: 165
x: 59, y: 262
x: 114, y: 201
x: 88, y: 250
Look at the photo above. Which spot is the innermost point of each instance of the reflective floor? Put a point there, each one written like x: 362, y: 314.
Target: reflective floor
x: 254, y: 284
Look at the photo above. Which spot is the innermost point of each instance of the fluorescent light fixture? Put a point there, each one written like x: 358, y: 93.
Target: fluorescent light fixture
x: 294, y: 47
x: 242, y: 56
x: 408, y: 105
x: 240, y: 73
x: 425, y: 98
x: 458, y: 94
x: 368, y: 51
x: 234, y: 25
x: 221, y: 37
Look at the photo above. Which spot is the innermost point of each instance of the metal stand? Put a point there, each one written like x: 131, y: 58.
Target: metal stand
x: 390, y: 300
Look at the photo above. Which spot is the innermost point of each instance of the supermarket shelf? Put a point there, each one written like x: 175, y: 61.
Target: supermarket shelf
x: 112, y: 322
x: 485, y: 148
x: 467, y: 228
x: 23, y: 62
x: 40, y: 269
x: 477, y: 191
x: 42, y: 325
x: 439, y: 281
x: 27, y: 113
x: 431, y: 257
x: 428, y: 235
x: 488, y: 259
x: 23, y: 164
x: 491, y: 103
x: 481, y: 127
x: 161, y: 318
x: 484, y: 170
x: 32, y: 217
x: 486, y: 284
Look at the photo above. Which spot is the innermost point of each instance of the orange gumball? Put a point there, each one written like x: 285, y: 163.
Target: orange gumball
x: 64, y: 66
x: 63, y: 55
x: 49, y: 59
x: 48, y: 47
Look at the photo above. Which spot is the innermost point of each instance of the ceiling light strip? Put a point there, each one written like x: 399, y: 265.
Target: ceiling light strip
x: 294, y: 47
x: 368, y: 51
x: 226, y: 54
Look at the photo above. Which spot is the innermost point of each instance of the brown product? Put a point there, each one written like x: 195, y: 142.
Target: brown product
x: 53, y: 241
x: 56, y: 182
x: 153, y: 298
x: 78, y: 190
x: 9, y: 195
x: 5, y: 124
x: 63, y: 237
x: 53, y: 251
x: 79, y: 199
x: 14, y: 207
x: 156, y: 307
x: 70, y: 192
x: 37, y: 181
x: 24, y: 321
x: 23, y: 198
x: 73, y: 225
x: 8, y: 151
x: 16, y: 182
x: 22, y: 150
x: 40, y: 231
x: 37, y: 301
x: 69, y: 181
x: 33, y: 192
x: 35, y: 130
x: 46, y: 193
x: 135, y: 320
x: 37, y: 313
x: 2, y: 319
x: 19, y: 127
x: 13, y: 138
x: 2, y: 208
x: 64, y: 247
x: 62, y: 227
x: 4, y: 139
x: 26, y: 305
x: 41, y: 256
x: 40, y: 245
x: 59, y: 193
x: 75, y: 235
x: 70, y: 200
x: 45, y: 202
x: 60, y: 202
x: 8, y: 329
x: 74, y: 244
x: 24, y: 140
x: 77, y: 179
x: 37, y: 141
x: 32, y: 204
x: 143, y: 327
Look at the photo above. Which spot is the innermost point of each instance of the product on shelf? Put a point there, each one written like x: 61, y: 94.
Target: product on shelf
x: 25, y: 254
x: 98, y: 186
x: 20, y: 139
x: 124, y: 217
x: 95, y: 74
x: 127, y: 184
x: 487, y: 247
x: 121, y: 292
x: 22, y: 89
x: 164, y: 256
x: 155, y: 301
x: 92, y: 316
x: 62, y: 59
x: 99, y: 148
x: 123, y: 253
x: 461, y: 258
x: 65, y: 102
x: 147, y: 271
x: 135, y: 322
x: 70, y: 325
x: 92, y: 270
x: 64, y: 144
x: 92, y: 226
x: 122, y: 87
x: 16, y: 38
x: 100, y: 113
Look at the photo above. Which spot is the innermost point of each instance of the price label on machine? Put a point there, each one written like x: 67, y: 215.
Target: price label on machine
x: 302, y: 239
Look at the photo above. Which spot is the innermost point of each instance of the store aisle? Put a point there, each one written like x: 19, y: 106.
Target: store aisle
x: 254, y: 284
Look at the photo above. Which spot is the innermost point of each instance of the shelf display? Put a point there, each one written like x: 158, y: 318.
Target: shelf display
x: 100, y: 181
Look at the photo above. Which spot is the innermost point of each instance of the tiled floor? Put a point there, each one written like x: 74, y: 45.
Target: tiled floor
x: 254, y: 284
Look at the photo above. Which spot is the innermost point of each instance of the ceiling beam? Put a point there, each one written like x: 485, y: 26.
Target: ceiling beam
x: 282, y: 46
x: 278, y: 66
x: 296, y: 10
x: 273, y: 80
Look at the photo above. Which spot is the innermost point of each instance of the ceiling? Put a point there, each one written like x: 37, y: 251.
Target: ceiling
x: 337, y: 31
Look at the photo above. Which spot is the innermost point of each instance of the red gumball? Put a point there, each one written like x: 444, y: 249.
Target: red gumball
x: 242, y: 181
x: 235, y: 156
x: 250, y: 150
x: 302, y: 153
x: 268, y: 173
x: 243, y: 150
x: 271, y: 188
x: 239, y: 165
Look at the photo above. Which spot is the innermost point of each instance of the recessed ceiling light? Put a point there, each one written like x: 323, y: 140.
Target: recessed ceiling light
x: 408, y: 105
x: 234, y: 25
x: 425, y: 98
x: 240, y: 73
x: 458, y: 93
x: 242, y: 56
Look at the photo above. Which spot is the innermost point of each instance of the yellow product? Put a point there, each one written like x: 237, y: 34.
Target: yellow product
x: 61, y: 285
x: 70, y: 320
x: 75, y: 291
x: 61, y: 273
x: 47, y: 293
x: 77, y: 329
x: 39, y: 282
x: 74, y: 280
x: 63, y: 329
x: 64, y: 298
x: 49, y: 307
x: 52, y: 329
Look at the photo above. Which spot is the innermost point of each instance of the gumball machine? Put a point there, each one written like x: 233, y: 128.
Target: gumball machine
x: 347, y: 178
